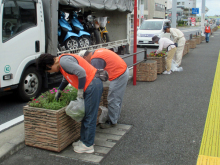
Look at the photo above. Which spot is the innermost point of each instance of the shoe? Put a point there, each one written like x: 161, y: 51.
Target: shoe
x: 106, y: 125
x: 167, y: 72
x: 82, y: 148
x: 77, y: 143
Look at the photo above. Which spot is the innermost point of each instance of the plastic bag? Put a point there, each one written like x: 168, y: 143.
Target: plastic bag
x: 76, y: 109
x: 104, y: 115
x: 174, y: 67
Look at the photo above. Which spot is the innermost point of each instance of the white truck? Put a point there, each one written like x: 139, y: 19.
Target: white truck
x: 30, y: 28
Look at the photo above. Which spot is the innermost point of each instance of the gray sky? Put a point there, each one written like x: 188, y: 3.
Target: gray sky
x: 212, y: 5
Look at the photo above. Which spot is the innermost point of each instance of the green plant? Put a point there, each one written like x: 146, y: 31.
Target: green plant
x: 47, y: 99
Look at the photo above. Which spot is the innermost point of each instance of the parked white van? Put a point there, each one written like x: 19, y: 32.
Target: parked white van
x: 150, y: 28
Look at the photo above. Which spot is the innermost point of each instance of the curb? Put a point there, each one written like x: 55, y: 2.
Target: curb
x: 13, y: 145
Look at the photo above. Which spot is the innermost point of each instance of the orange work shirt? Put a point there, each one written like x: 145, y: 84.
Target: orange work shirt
x: 115, y: 65
x: 73, y: 79
x: 207, y: 29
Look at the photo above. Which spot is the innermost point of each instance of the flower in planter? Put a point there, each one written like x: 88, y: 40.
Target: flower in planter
x: 47, y: 99
x: 161, y: 54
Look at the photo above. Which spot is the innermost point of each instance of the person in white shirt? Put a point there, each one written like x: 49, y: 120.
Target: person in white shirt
x: 171, y: 49
x: 178, y: 37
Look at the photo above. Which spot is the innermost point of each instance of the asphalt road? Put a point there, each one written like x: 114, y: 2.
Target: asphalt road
x: 11, y: 107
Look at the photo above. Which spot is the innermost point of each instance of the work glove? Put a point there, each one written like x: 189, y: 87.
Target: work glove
x: 57, y: 95
x: 80, y: 93
x: 102, y: 74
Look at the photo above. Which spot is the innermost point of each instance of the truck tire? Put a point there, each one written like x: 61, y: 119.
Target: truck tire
x: 106, y: 37
x: 84, y: 41
x: 72, y: 43
x: 95, y: 37
x: 30, y: 84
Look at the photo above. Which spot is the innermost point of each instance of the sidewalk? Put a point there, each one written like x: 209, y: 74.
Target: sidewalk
x: 167, y: 117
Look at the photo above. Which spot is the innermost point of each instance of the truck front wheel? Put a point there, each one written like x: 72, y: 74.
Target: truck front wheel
x: 30, y: 84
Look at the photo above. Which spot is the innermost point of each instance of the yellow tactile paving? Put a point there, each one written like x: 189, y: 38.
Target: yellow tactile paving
x: 209, y: 153
x: 206, y: 160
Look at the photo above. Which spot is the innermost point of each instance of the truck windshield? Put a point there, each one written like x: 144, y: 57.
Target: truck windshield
x: 151, y: 25
x: 18, y: 16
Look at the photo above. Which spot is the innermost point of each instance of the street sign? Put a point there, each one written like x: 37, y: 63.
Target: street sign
x: 195, y: 10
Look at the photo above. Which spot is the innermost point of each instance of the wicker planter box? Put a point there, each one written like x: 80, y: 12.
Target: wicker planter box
x: 200, y: 39
x: 188, y: 46
x: 193, y: 43
x: 203, y: 38
x: 147, y: 71
x: 50, y: 129
x: 161, y: 63
x: 197, y: 40
x: 105, y: 95
x: 186, y: 49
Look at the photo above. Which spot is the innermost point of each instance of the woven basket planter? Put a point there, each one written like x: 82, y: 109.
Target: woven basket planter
x: 147, y: 71
x: 193, y: 43
x: 203, y: 38
x: 186, y: 49
x: 161, y: 63
x: 200, y: 39
x: 105, y: 95
x: 197, y: 40
x: 50, y: 129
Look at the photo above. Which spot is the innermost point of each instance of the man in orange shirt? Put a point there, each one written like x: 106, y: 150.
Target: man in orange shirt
x: 81, y: 75
x: 207, y: 32
x: 118, y: 76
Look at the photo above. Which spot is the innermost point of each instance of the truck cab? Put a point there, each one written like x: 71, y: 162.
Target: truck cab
x: 22, y: 40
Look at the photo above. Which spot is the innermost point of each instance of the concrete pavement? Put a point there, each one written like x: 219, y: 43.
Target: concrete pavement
x: 167, y: 115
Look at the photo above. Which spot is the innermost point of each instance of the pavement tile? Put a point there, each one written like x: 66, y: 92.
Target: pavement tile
x: 105, y: 140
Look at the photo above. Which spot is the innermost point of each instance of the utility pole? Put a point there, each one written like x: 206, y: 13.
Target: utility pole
x: 135, y: 42
x: 203, y: 17
x: 174, y: 6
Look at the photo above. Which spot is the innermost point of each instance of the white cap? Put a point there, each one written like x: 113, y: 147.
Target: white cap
x: 82, y: 53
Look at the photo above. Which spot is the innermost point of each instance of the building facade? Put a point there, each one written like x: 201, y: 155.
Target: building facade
x: 185, y: 8
x: 186, y: 3
x: 149, y: 9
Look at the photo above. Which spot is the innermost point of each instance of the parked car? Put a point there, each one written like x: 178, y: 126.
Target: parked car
x: 150, y: 28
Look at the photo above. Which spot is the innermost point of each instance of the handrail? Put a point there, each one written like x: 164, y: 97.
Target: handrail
x: 145, y: 59
x: 145, y: 54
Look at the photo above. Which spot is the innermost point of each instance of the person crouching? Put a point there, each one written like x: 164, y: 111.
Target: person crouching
x: 171, y: 49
